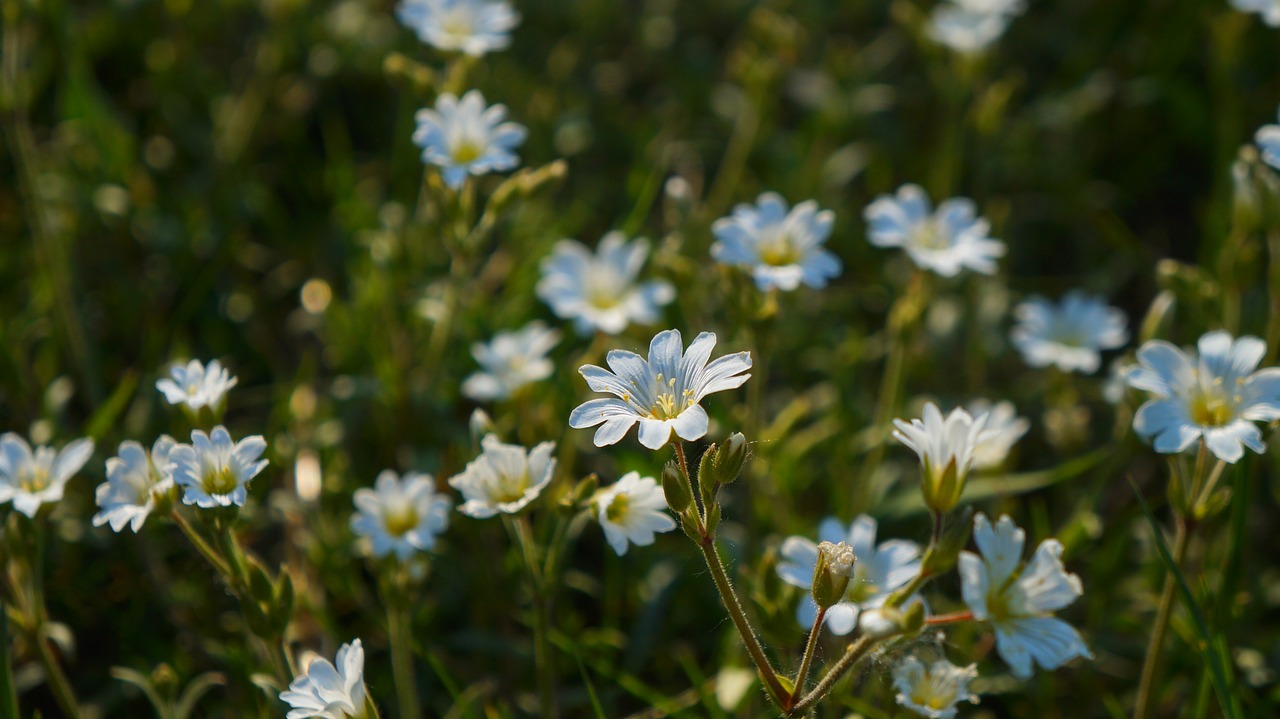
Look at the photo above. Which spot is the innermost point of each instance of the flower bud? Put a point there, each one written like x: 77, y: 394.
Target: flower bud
x: 480, y: 425
x: 675, y: 488
x: 880, y: 623
x: 729, y: 458
x: 942, y: 556
x: 582, y: 492
x: 832, y: 573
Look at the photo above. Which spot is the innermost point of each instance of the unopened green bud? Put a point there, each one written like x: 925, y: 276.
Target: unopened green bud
x: 913, y: 618
x: 707, y: 476
x: 942, y: 556
x: 942, y: 488
x: 690, y: 528
x: 260, y: 587
x: 713, y: 518
x: 675, y: 488
x: 832, y: 573
x: 582, y: 491
x: 282, y: 608
x: 729, y: 458
x: 480, y: 425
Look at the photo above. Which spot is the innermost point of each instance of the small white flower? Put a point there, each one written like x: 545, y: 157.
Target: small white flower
x: 1268, y: 10
x: 599, y: 291
x: 933, y: 690
x: 510, y: 361
x: 135, y: 481
x: 1217, y: 396
x: 782, y: 249
x: 878, y: 571
x: 401, y: 515
x: 1113, y: 390
x: 213, y: 470
x: 327, y: 691
x: 464, y: 137
x: 1018, y: 598
x: 1003, y: 430
x: 30, y: 479
x: 946, y: 449
x: 196, y: 385
x: 474, y: 27
x: 661, y: 393
x: 631, y: 511
x: 1070, y: 335
x: 965, y: 30
x: 504, y: 478
x: 1268, y: 136
x: 945, y: 241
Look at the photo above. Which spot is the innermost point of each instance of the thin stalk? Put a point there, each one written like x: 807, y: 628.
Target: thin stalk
x: 541, y: 622
x: 855, y: 653
x: 54, y: 674
x: 803, y: 673
x: 200, y: 544
x: 1273, y: 282
x: 8, y: 691
x: 1210, y: 484
x: 401, y: 635
x: 951, y: 618
x: 701, y: 512
x: 740, y: 621
x: 1146, y: 695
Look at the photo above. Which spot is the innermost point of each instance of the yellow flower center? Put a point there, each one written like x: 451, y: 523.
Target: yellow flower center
x: 666, y: 404
x: 779, y: 252
x: 400, y: 521
x: 509, y: 489
x: 929, y: 236
x: 467, y: 152
x: 1209, y: 409
x: 456, y: 24
x: 617, y: 508
x: 219, y: 480
x: 33, y: 479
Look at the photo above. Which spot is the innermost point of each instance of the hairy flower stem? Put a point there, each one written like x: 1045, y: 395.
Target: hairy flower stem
x: 200, y: 544
x: 541, y: 620
x: 400, y: 633
x: 856, y: 652
x: 803, y: 673
x: 1146, y: 695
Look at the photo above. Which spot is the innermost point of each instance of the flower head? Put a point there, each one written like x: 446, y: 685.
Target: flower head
x: 30, y: 479
x: 877, y: 572
x: 1268, y: 136
x: 401, y: 515
x: 136, y: 480
x: 964, y: 29
x: 945, y: 241
x: 1217, y: 396
x: 1268, y: 10
x: 464, y: 137
x: 933, y: 690
x: 1003, y: 429
x: 599, y: 291
x: 1069, y: 335
x: 661, y: 393
x: 213, y: 471
x: 510, y: 361
x: 473, y: 27
x: 1018, y: 599
x: 782, y: 249
x: 946, y: 449
x: 631, y: 511
x: 328, y: 691
x: 195, y: 385
x: 504, y: 478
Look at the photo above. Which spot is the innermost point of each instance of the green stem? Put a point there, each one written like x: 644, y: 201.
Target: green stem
x: 855, y: 653
x: 400, y: 629
x: 54, y: 674
x: 1203, y: 498
x: 1146, y: 695
x: 805, y: 661
x: 541, y: 622
x: 1273, y: 282
x: 8, y: 692
x: 200, y: 544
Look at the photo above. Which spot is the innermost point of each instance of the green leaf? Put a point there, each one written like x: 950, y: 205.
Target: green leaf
x: 196, y: 689
x: 591, y: 689
x: 143, y: 682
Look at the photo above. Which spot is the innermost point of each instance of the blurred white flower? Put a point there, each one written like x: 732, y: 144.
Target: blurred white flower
x: 782, y: 249
x: 1217, y: 396
x: 196, y: 385
x: 1003, y: 430
x: 933, y: 690
x: 504, y: 478
x: 327, y: 691
x: 599, y: 291
x: 1113, y: 389
x: 135, y: 481
x: 661, y: 393
x: 1268, y: 10
x: 1268, y: 136
x: 1070, y: 335
x: 401, y: 515
x: 463, y: 136
x: 30, y: 479
x: 631, y: 511
x: 1018, y: 599
x: 474, y: 27
x: 510, y: 361
x: 946, y: 449
x: 878, y: 571
x: 965, y: 30
x: 213, y: 470
x: 945, y: 241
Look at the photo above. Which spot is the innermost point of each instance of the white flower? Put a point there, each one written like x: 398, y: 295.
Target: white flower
x: 933, y: 690
x: 1269, y: 10
x: 510, y: 361
x: 1070, y: 335
x: 30, y: 479
x: 196, y: 385
x: 1113, y: 390
x: 781, y: 248
x: 1003, y: 430
x: 401, y: 515
x: 598, y: 291
x: 1268, y: 136
x: 135, y: 480
x: 631, y: 511
x: 463, y: 136
x: 504, y: 478
x: 1018, y: 598
x: 1217, y: 396
x: 946, y: 449
x: 213, y: 470
x: 662, y: 393
x: 327, y: 691
x: 965, y: 30
x: 878, y: 571
x: 474, y: 27
x: 945, y: 241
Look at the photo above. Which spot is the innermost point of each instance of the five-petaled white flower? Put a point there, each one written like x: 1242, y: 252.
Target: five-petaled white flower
x: 136, y: 480
x: 1217, y: 396
x: 464, y: 137
x: 213, y: 470
x: 510, y: 361
x: 473, y: 27
x: 401, y: 515
x: 599, y: 291
x: 504, y: 478
x: 1018, y: 599
x: 631, y: 511
x: 661, y: 393
x: 1070, y: 335
x: 933, y: 690
x: 1268, y: 136
x: 1268, y: 10
x: 878, y: 571
x: 327, y: 691
x: 946, y: 449
x: 196, y: 385
x: 30, y: 479
x: 945, y: 241
x: 1003, y: 430
x: 782, y: 249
